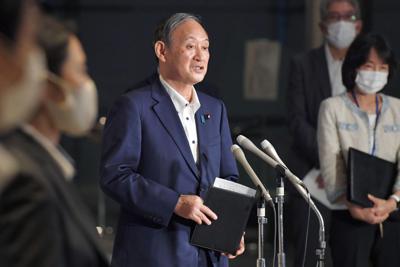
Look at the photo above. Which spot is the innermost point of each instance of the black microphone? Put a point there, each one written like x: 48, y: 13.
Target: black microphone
x: 239, y: 155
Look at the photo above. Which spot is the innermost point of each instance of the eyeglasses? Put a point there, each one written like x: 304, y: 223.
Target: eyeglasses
x: 335, y: 17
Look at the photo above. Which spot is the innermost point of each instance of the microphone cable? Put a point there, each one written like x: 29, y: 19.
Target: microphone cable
x: 307, y: 229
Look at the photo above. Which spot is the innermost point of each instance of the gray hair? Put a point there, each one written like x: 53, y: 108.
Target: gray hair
x: 164, y: 30
x: 325, y: 6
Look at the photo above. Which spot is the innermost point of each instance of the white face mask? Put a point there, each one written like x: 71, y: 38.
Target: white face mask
x: 18, y: 102
x: 341, y: 34
x: 77, y: 114
x: 371, y: 82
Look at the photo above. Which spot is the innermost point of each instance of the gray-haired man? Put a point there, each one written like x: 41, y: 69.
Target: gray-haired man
x: 164, y: 144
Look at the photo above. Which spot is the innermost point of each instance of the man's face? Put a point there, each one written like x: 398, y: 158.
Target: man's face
x: 187, y: 55
x: 341, y: 10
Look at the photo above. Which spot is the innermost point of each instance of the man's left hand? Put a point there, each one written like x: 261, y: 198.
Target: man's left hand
x: 239, y: 251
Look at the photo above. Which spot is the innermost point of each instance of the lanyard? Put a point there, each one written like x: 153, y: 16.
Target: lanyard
x: 376, y: 119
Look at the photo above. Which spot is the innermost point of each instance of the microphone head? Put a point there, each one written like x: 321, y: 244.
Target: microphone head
x: 234, y: 148
x: 265, y: 144
x: 246, y: 142
x: 240, y: 139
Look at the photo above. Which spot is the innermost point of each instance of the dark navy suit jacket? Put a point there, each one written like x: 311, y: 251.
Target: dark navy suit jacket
x: 147, y: 164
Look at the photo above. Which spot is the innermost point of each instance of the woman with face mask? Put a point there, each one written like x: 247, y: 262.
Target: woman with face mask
x: 367, y: 120
x: 42, y: 221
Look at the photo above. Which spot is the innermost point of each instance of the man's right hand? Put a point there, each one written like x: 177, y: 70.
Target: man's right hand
x: 191, y: 207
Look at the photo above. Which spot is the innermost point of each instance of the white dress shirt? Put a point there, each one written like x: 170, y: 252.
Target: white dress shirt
x: 335, y: 73
x: 186, y: 111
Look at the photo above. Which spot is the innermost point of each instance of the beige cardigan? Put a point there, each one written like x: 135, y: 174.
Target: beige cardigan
x: 341, y: 124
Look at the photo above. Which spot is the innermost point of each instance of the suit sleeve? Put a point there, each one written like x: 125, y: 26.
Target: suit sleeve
x: 304, y: 134
x: 333, y: 168
x: 30, y: 226
x: 120, y: 174
x: 228, y: 168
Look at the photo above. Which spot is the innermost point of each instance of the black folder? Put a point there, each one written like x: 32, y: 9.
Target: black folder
x: 232, y: 202
x: 368, y: 174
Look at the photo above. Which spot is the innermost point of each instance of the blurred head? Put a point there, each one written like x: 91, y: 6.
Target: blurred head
x: 181, y: 46
x: 71, y: 96
x: 369, y: 64
x: 340, y: 21
x: 22, y: 65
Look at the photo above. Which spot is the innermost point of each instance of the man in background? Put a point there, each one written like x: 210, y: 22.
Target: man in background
x: 315, y: 76
x: 22, y: 69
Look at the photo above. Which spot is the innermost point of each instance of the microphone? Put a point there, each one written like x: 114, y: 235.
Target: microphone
x: 246, y: 143
x: 298, y: 184
x: 270, y: 150
x: 239, y: 155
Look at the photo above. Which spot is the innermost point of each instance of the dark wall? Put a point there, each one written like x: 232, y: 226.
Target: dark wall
x: 118, y: 39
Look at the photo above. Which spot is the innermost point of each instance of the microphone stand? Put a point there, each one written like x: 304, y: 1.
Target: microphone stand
x: 320, y: 251
x: 261, y: 221
x: 280, y: 198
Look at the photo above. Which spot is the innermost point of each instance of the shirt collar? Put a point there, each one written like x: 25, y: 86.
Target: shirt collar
x: 329, y: 56
x: 178, y: 100
x: 56, y: 152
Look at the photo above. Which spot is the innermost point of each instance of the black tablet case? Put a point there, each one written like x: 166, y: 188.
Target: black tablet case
x: 224, y: 234
x: 368, y: 174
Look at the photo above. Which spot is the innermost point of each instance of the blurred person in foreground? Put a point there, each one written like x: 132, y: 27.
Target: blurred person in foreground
x: 22, y: 69
x: 42, y: 220
x: 315, y: 76
x: 163, y: 146
x: 365, y: 119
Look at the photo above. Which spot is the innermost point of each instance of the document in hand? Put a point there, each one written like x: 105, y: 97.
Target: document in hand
x: 232, y: 202
x: 368, y: 174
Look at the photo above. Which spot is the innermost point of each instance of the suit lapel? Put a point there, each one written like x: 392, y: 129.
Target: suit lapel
x: 203, y: 138
x: 321, y: 67
x: 166, y: 112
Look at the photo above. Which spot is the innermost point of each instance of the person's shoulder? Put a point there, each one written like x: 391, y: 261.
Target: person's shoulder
x: 393, y: 101
x: 309, y: 55
x: 333, y: 102
x: 140, y: 92
x: 208, y: 98
x: 29, y: 156
x: 210, y: 101
x: 139, y: 95
x: 145, y: 82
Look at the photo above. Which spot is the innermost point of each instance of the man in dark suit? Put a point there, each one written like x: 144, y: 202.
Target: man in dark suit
x: 21, y: 68
x: 42, y: 220
x: 164, y: 144
x: 315, y: 76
